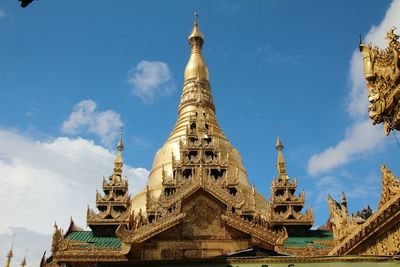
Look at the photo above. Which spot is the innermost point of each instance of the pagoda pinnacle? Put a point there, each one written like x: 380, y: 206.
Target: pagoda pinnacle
x: 118, y: 161
x: 280, y: 162
x: 196, y: 67
x: 23, y: 263
x: 9, y: 256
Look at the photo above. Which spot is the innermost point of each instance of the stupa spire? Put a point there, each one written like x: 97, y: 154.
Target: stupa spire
x: 196, y: 67
x: 280, y: 162
x: 118, y: 160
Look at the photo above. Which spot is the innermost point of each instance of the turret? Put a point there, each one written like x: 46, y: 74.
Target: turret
x: 286, y: 206
x: 114, y: 203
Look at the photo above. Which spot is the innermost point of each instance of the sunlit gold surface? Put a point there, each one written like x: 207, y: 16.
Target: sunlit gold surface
x: 198, y: 202
x: 196, y: 93
x: 375, y: 234
x: 196, y: 67
x: 285, y: 205
x: 382, y: 71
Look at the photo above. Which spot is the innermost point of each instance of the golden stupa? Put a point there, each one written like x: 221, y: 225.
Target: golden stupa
x: 198, y: 205
x: 196, y: 97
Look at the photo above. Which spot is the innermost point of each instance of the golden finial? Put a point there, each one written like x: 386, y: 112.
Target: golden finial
x: 120, y: 145
x: 118, y: 160
x: 278, y: 145
x: 196, y: 32
x: 196, y: 67
x: 280, y: 162
x: 23, y: 263
x: 10, y: 254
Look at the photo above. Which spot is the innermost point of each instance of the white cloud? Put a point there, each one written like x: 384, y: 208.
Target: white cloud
x: 149, y: 78
x: 105, y: 124
x: 361, y: 136
x: 47, y: 181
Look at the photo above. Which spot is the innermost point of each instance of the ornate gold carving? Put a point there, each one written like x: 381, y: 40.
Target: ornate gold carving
x: 114, y: 205
x: 58, y: 236
x: 378, y: 234
x: 381, y: 71
x: 285, y: 206
x: 256, y: 230
x: 342, y: 223
x: 148, y: 230
x: 390, y: 186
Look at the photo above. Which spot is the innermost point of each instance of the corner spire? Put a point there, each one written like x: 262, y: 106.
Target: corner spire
x: 196, y: 67
x: 280, y: 162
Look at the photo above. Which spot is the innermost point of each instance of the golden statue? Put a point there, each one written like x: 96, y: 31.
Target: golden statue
x: 381, y: 71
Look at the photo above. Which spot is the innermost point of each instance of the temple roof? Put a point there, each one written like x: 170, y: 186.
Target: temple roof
x: 101, y: 242
x: 313, y: 237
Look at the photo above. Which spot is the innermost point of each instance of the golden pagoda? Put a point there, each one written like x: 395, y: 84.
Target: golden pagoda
x: 285, y: 205
x: 198, y: 205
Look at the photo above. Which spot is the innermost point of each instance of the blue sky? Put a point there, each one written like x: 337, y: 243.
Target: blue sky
x: 67, y: 67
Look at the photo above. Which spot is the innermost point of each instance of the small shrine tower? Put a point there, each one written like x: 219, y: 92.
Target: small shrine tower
x: 285, y: 205
x: 114, y: 205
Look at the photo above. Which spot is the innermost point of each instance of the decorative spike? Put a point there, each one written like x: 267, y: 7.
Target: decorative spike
x: 120, y: 145
x: 23, y: 263
x: 10, y: 254
x: 43, y: 260
x: 280, y: 163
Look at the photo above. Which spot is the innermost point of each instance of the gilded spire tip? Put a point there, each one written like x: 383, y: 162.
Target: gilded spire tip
x: 196, y: 35
x: 120, y: 145
x: 196, y: 16
x: 279, y: 145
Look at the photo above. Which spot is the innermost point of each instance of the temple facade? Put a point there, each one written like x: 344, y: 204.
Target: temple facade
x: 198, y: 203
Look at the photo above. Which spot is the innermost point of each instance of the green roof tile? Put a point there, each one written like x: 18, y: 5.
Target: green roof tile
x: 87, y: 236
x: 312, y: 236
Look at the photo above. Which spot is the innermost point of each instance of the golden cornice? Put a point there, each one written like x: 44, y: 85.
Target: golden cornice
x: 149, y: 230
x: 263, y: 233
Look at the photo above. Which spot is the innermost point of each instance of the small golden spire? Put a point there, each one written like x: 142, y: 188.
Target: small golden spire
x: 120, y: 145
x: 10, y: 254
x: 280, y: 162
x: 23, y: 263
x: 118, y: 161
x: 196, y: 34
x: 196, y: 67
